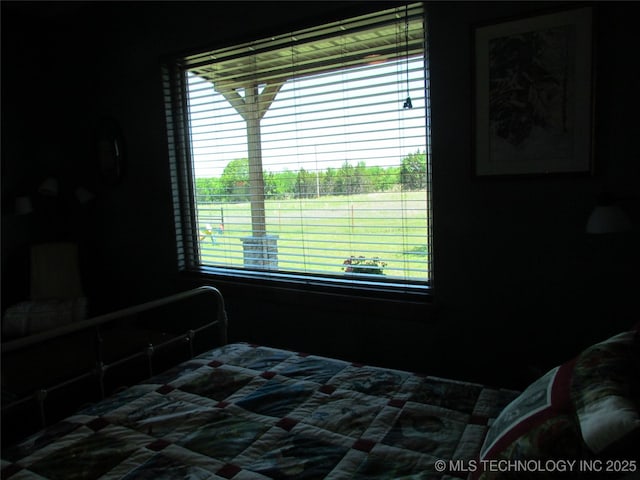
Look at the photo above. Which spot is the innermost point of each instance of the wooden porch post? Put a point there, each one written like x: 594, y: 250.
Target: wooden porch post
x: 252, y: 108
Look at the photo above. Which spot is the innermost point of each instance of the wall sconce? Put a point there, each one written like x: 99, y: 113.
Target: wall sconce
x: 607, y: 217
x: 48, y: 190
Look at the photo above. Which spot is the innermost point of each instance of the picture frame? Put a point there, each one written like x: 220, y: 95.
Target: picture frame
x: 533, y: 95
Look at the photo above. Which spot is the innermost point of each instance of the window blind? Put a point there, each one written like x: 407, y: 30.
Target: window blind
x: 307, y: 154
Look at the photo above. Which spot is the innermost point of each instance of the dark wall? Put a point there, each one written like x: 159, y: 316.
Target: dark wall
x: 518, y: 284
x: 518, y: 279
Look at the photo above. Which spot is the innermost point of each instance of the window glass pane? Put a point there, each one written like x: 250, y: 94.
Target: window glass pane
x: 315, y: 167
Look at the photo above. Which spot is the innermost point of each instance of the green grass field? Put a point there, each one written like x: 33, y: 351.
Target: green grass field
x: 316, y: 235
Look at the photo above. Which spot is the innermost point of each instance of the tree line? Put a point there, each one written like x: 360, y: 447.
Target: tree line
x: 233, y: 184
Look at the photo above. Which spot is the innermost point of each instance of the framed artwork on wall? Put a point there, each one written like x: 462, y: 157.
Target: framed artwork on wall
x: 533, y: 95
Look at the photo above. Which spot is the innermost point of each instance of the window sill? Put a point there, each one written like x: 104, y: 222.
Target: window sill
x: 289, y: 284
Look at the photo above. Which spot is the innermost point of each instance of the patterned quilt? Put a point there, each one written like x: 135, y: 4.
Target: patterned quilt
x: 251, y: 412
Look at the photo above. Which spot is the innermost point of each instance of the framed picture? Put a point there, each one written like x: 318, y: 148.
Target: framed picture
x: 533, y: 95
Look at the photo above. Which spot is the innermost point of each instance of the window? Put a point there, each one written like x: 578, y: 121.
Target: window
x: 306, y: 156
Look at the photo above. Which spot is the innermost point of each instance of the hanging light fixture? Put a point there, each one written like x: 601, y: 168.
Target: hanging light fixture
x: 83, y: 195
x: 50, y: 187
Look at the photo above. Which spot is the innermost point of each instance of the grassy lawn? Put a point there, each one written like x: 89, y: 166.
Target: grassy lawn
x: 318, y: 234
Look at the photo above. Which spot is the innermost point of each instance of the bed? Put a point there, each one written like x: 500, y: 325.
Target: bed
x: 246, y: 411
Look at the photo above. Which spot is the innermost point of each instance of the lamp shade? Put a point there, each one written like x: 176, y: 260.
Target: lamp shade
x: 49, y: 187
x: 608, y: 219
x: 83, y: 195
x: 24, y: 205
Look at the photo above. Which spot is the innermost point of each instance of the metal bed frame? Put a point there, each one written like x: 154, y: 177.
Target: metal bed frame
x: 150, y: 351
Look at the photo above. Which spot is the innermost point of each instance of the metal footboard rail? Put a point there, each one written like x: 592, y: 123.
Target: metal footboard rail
x: 150, y: 351
x: 24, y: 342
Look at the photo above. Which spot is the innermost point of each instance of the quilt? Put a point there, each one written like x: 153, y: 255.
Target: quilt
x: 246, y: 411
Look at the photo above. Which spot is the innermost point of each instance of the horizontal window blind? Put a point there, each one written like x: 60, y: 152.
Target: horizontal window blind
x: 308, y: 154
